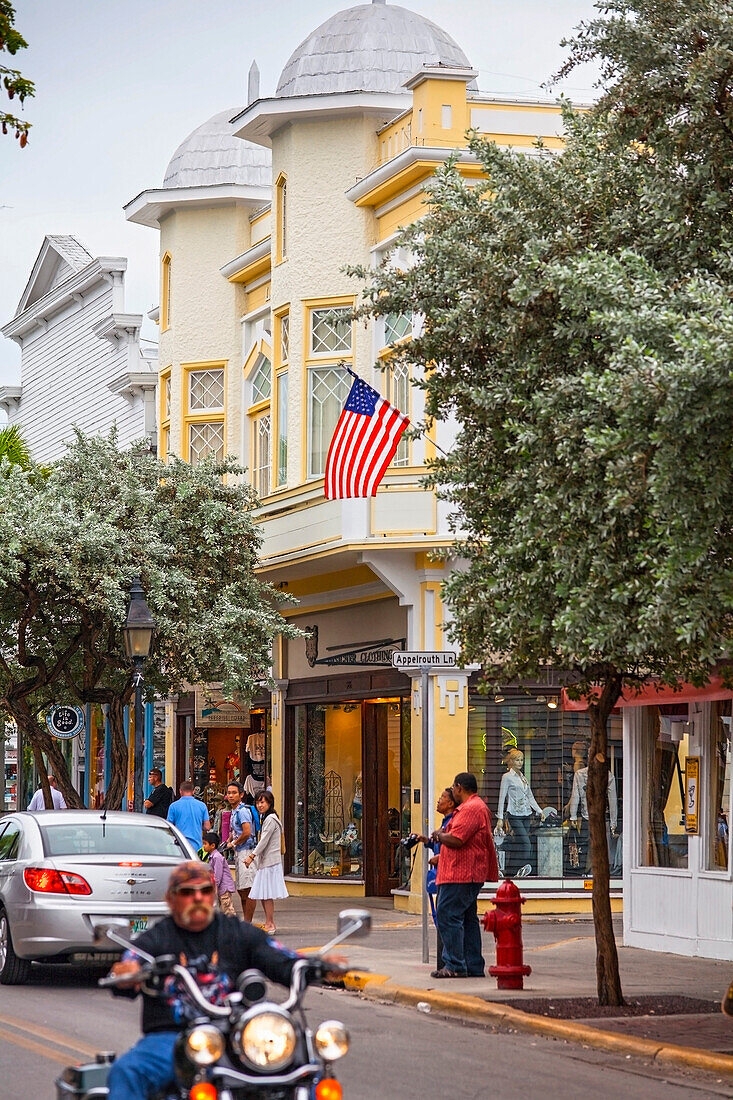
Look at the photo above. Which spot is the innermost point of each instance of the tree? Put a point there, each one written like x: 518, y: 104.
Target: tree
x: 14, y: 82
x: 70, y: 542
x: 13, y: 447
x: 578, y: 324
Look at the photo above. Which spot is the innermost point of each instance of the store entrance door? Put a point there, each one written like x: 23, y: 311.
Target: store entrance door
x: 386, y: 796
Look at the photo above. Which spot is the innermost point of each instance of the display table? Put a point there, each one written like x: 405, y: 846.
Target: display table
x: 549, y: 852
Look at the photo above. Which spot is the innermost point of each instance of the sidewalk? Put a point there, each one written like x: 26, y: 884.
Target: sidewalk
x: 561, y: 952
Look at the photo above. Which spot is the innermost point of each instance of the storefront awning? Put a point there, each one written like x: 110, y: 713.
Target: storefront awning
x: 655, y: 694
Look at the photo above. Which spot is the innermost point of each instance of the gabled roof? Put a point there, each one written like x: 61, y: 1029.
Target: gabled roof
x: 60, y: 258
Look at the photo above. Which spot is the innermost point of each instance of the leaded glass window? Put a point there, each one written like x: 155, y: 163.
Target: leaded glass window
x: 261, y: 428
x: 282, y: 428
x: 396, y: 327
x: 399, y: 396
x: 205, y: 440
x: 285, y: 337
x: 328, y: 388
x: 167, y: 397
x: 205, y: 390
x: 261, y: 379
x: 331, y: 331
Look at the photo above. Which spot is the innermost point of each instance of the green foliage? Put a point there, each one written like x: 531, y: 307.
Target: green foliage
x: 70, y: 543
x: 13, y: 447
x: 12, y: 80
x: 578, y: 325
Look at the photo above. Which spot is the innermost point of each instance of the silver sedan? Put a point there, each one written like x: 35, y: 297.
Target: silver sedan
x: 63, y: 870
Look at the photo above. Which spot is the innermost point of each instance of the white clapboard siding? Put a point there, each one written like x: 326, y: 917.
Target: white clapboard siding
x: 65, y: 375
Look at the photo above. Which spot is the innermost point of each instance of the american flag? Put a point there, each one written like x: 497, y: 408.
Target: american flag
x: 366, y: 437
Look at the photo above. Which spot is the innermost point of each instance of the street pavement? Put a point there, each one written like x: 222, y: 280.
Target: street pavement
x: 561, y: 952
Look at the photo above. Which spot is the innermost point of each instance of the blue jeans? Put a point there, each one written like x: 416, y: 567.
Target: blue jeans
x: 459, y: 927
x: 144, y: 1069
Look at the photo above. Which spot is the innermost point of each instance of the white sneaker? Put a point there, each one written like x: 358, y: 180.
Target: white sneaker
x: 524, y: 871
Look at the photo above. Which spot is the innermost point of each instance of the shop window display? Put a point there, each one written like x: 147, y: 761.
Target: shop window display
x: 328, y: 791
x: 665, y: 742
x: 531, y: 762
x: 718, y: 823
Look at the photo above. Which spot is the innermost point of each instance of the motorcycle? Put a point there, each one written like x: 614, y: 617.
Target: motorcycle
x: 248, y: 1048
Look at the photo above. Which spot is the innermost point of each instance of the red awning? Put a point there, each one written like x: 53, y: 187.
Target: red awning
x: 655, y: 694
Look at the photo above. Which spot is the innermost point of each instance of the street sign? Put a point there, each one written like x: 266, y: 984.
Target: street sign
x: 65, y: 722
x: 424, y: 660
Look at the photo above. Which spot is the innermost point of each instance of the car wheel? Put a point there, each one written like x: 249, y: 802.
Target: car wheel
x: 13, y: 971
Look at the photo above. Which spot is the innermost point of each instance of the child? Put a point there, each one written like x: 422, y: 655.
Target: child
x: 222, y: 874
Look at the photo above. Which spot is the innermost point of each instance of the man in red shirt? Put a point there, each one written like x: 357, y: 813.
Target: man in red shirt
x: 467, y: 860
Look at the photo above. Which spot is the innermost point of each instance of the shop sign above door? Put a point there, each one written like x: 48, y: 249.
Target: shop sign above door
x: 370, y: 654
x: 65, y: 722
x: 214, y: 709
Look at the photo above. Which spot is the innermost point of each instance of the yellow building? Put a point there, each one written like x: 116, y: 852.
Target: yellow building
x: 259, y: 213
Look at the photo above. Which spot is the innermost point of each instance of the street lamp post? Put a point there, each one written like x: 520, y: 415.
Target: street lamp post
x: 138, y: 633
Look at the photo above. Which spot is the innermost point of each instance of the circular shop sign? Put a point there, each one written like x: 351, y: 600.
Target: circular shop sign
x: 65, y: 722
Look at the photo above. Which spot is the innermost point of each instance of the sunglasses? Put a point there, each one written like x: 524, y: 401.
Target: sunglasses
x: 190, y: 891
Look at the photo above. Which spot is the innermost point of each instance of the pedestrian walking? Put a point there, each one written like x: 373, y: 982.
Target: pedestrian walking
x: 38, y: 802
x: 269, y: 882
x: 189, y: 815
x: 467, y: 859
x: 243, y: 828
x: 222, y: 874
x: 159, y: 800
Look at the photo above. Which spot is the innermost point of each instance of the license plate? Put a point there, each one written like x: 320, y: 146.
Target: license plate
x: 138, y: 924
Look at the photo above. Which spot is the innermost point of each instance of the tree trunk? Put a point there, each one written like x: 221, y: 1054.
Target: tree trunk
x: 119, y: 755
x: 41, y: 769
x: 607, y: 973
x: 42, y: 742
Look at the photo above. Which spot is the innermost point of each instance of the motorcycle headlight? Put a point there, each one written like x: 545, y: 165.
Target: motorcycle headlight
x: 332, y: 1040
x: 268, y: 1040
x: 204, y: 1046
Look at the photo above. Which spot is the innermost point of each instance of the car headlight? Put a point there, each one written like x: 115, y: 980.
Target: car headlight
x: 268, y: 1040
x: 332, y: 1040
x: 204, y: 1045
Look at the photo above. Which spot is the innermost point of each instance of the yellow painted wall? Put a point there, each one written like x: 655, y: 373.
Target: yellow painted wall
x: 404, y: 214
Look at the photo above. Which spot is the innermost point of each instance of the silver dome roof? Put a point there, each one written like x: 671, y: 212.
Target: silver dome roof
x: 212, y: 154
x: 370, y: 48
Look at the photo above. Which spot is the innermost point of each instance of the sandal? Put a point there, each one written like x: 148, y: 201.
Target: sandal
x: 444, y: 972
x: 270, y: 930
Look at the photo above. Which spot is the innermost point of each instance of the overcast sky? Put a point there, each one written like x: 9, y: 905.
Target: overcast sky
x: 120, y: 83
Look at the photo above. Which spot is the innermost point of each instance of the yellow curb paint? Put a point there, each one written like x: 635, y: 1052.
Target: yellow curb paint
x: 696, y: 1058
x: 476, y: 1008
x: 359, y: 979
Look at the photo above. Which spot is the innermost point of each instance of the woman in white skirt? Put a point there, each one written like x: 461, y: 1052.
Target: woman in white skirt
x: 269, y: 881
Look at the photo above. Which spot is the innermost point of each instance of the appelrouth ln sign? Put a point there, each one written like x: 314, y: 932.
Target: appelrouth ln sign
x: 424, y: 660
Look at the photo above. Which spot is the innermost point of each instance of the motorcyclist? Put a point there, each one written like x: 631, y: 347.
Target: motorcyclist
x: 216, y: 947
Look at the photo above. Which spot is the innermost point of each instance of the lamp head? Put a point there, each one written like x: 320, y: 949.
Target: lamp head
x: 139, y: 624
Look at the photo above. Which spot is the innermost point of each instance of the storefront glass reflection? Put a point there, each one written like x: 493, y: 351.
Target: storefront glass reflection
x: 665, y: 741
x: 328, y: 790
x: 531, y: 762
x: 720, y: 784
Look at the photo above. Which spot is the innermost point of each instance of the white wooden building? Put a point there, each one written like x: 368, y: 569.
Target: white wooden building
x: 82, y: 361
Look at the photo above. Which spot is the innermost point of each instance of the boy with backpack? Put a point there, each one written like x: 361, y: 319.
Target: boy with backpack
x: 222, y: 874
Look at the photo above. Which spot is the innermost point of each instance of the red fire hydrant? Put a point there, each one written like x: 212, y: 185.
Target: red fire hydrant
x: 506, y: 924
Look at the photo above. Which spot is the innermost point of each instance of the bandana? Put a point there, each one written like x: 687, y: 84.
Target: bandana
x: 189, y: 872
